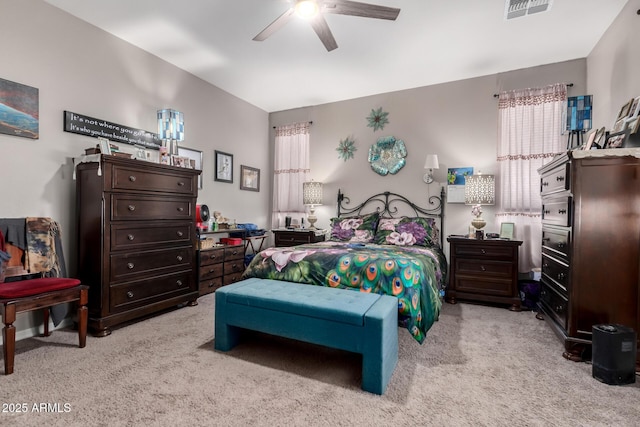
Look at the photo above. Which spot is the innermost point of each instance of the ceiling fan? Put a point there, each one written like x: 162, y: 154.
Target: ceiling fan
x: 314, y: 11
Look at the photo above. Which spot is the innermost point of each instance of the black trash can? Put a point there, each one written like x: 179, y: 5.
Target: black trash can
x: 614, y: 351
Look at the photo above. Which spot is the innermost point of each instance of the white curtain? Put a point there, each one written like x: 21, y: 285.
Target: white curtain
x: 291, y: 169
x: 529, y: 135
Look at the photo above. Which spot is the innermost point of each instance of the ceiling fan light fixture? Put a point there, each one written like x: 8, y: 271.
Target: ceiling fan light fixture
x: 307, y: 9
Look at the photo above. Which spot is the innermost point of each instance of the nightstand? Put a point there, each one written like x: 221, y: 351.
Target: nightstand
x: 483, y: 270
x: 293, y: 237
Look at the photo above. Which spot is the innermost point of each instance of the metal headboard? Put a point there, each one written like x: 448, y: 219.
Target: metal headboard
x: 387, y: 203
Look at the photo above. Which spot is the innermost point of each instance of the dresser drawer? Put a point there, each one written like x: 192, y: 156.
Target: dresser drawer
x: 129, y: 265
x: 557, y: 211
x: 151, y: 234
x: 556, y: 271
x: 211, y: 256
x: 555, y: 180
x: 210, y: 285
x: 147, y: 291
x: 556, y: 241
x: 234, y: 266
x: 487, y: 286
x: 126, y: 207
x: 555, y: 304
x: 212, y: 270
x: 484, y: 251
x: 234, y: 252
x: 133, y: 179
x: 232, y: 278
x: 484, y: 269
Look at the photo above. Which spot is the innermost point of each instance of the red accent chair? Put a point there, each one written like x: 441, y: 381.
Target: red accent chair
x: 34, y: 294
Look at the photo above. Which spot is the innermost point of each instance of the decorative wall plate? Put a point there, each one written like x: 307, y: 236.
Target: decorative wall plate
x: 377, y: 119
x: 387, y: 155
x: 346, y: 148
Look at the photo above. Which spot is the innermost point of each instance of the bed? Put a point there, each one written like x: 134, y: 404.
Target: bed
x: 385, y: 245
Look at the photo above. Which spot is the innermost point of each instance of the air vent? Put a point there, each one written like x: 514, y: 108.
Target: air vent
x: 518, y: 8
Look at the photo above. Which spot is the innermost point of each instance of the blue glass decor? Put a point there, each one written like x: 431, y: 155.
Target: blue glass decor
x: 387, y: 155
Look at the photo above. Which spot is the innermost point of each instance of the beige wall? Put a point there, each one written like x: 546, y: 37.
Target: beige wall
x: 79, y: 68
x: 457, y: 121
x: 613, y: 67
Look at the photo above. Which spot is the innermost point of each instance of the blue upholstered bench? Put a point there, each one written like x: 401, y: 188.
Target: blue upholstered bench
x: 343, y: 319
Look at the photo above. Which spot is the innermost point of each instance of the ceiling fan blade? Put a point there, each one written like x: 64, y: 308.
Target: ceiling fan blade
x: 321, y: 28
x: 355, y: 8
x: 275, y: 25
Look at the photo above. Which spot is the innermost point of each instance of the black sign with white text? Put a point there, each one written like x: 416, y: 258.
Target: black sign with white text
x: 85, y: 125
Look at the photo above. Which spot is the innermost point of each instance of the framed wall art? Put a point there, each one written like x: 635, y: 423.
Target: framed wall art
x: 224, y: 167
x: 19, y: 110
x: 195, y: 158
x: 249, y: 178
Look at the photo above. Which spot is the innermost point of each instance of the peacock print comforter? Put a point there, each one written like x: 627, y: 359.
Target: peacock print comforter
x: 413, y: 274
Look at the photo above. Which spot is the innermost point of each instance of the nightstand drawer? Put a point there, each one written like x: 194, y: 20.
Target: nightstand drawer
x: 234, y: 252
x: 212, y: 270
x: 482, y: 286
x: 210, y: 285
x: 484, y: 269
x: 232, y: 278
x: 234, y: 266
x: 484, y: 251
x: 211, y: 256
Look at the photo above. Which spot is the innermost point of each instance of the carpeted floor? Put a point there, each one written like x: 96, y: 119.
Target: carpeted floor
x: 480, y: 366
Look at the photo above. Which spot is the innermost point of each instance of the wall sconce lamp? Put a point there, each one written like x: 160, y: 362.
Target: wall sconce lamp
x: 312, y: 197
x: 430, y: 163
x: 479, y: 190
x: 171, y: 129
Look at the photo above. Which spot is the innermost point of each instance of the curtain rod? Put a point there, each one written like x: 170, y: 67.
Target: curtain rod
x: 310, y: 122
x: 495, y: 95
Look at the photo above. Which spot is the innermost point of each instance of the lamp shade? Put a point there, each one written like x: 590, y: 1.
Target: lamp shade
x: 312, y: 193
x: 170, y: 125
x: 480, y: 190
x: 431, y: 162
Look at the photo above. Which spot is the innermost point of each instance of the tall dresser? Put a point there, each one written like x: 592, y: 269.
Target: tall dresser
x: 136, y: 238
x: 590, y: 245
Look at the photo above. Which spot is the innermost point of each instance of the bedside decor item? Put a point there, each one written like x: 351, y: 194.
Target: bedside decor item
x: 377, y: 119
x: 19, y: 114
x: 224, y: 167
x: 430, y: 163
x: 249, y: 178
x: 195, y: 158
x: 104, y: 146
x: 507, y: 230
x: 312, y: 197
x: 479, y: 190
x: 171, y: 129
x: 346, y: 148
x: 387, y: 155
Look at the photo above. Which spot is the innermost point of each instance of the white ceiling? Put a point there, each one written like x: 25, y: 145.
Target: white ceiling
x: 431, y: 42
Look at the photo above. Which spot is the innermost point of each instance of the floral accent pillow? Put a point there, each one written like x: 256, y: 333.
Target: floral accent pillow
x: 360, y: 229
x: 408, y: 232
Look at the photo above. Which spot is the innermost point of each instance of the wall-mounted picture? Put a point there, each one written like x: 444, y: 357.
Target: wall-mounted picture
x: 19, y: 110
x: 507, y: 230
x: 224, y: 167
x: 249, y: 178
x: 195, y: 157
x: 455, y: 183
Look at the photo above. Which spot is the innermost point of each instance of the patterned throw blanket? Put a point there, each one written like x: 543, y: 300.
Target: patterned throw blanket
x: 41, y: 255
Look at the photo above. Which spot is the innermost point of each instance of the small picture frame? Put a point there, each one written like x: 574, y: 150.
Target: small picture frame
x: 634, y: 110
x: 507, y: 230
x: 597, y: 140
x: 194, y: 158
x: 624, y: 110
x: 249, y: 178
x: 590, y: 139
x: 223, y: 167
x: 105, y: 148
x: 617, y: 139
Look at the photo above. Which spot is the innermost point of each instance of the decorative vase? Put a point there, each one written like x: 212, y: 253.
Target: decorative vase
x: 478, y: 222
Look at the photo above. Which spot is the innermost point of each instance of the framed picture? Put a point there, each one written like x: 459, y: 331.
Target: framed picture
x: 249, y: 178
x: 617, y: 139
x: 195, y: 159
x: 634, y: 110
x: 590, y: 139
x: 506, y: 230
x: 598, y: 139
x: 224, y: 167
x: 104, y: 146
x: 19, y: 110
x: 624, y: 111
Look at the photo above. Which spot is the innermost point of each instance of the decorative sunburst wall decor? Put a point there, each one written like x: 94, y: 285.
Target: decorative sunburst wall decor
x: 377, y: 119
x: 346, y: 148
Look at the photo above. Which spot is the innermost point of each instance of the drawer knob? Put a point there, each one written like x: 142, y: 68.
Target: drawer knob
x: 545, y: 184
x: 483, y: 251
x: 212, y: 256
x: 560, y: 178
x: 560, y: 245
x: 211, y: 284
x: 547, y: 211
x: 211, y: 271
x: 545, y: 265
x: 562, y: 211
x: 180, y: 183
x: 130, y: 266
x: 483, y: 268
x: 132, y: 178
x: 180, y: 233
x: 180, y: 209
x: 179, y: 257
x: 130, y: 294
x: 561, y: 276
x: 179, y: 283
x: 130, y: 237
x: 131, y: 208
